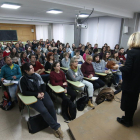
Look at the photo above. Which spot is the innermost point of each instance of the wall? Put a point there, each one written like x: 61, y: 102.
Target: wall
x: 132, y: 27
x: 23, y: 31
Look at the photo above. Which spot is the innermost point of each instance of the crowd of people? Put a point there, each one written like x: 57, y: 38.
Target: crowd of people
x: 37, y: 57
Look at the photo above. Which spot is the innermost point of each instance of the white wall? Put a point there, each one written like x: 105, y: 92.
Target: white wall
x: 64, y: 33
x: 102, y: 30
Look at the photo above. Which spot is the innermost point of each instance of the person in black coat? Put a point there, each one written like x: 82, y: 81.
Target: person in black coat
x: 131, y: 81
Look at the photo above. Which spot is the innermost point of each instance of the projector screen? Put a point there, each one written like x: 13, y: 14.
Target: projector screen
x: 8, y: 35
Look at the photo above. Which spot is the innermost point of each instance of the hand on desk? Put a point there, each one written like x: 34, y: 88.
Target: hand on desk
x: 90, y: 76
x: 65, y: 84
x: 40, y: 95
x: 14, y: 77
x: 2, y: 79
x: 65, y: 91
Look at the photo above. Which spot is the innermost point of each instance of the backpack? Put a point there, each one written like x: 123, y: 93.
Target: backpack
x: 81, y: 103
x: 6, y: 104
x: 69, y: 110
x: 105, y: 94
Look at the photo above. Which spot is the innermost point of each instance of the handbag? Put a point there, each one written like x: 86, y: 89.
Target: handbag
x: 36, y: 124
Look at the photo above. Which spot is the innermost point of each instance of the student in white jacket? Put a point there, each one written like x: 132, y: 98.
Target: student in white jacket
x: 79, y: 57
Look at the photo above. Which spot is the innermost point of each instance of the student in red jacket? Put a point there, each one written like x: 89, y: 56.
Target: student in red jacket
x: 88, y: 71
x: 121, y: 55
x: 57, y: 78
x: 6, y: 52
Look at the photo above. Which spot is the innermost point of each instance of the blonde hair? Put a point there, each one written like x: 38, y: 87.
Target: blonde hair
x: 134, y: 40
x: 65, y: 54
x: 89, y: 57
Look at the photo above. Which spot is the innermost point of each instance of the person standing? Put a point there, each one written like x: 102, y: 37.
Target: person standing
x: 131, y: 81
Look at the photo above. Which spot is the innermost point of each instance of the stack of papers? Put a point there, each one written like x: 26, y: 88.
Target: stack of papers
x: 10, y: 81
x: 94, y: 78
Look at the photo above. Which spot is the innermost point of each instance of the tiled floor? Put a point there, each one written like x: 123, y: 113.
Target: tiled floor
x: 13, y: 126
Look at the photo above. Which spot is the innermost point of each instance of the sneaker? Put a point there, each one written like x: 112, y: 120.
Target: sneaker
x: 58, y: 133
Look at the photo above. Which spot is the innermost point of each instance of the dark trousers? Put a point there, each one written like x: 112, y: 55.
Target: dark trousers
x: 45, y: 77
x: 46, y: 108
x: 70, y: 92
x: 129, y: 116
x: 98, y: 84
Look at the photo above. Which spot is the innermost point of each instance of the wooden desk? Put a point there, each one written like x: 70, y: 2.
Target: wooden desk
x: 64, y: 68
x: 48, y: 72
x: 101, y: 74
x: 101, y: 124
x: 56, y: 89
x: 27, y: 100
x: 76, y: 84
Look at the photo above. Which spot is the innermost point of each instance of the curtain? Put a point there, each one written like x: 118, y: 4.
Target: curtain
x: 64, y: 33
x: 41, y: 32
x: 102, y: 30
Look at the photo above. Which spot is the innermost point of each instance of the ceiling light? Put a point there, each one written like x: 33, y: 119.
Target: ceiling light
x: 10, y: 6
x: 54, y: 11
x: 82, y: 15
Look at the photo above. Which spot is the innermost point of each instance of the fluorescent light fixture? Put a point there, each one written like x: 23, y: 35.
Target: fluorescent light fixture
x: 82, y: 15
x: 10, y: 6
x: 54, y: 11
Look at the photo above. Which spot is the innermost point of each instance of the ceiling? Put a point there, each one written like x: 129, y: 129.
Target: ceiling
x: 34, y: 11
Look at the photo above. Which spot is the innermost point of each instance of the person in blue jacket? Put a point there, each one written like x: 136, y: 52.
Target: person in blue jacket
x: 10, y: 71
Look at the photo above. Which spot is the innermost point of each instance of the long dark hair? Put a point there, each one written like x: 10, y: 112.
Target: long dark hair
x: 103, y: 48
x: 21, y: 56
x: 117, y: 45
x: 94, y: 57
x: 104, y: 57
x: 12, y: 54
x: 54, y: 65
x: 117, y: 58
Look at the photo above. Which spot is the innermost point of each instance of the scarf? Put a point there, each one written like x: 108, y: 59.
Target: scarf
x: 75, y: 69
x: 35, y: 83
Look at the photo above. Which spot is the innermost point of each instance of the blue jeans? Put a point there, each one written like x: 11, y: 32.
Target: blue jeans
x: 46, y: 108
x: 12, y: 91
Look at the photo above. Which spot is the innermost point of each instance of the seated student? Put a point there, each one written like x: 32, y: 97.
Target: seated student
x: 1, y: 47
x: 79, y: 57
x: 82, y: 51
x: 39, y: 56
x: 56, y: 57
x: 41, y: 49
x: 49, y: 49
x: 100, y: 67
x: 95, y: 46
x: 14, y: 56
x: 2, y: 62
x: 103, y: 50
x: 23, y: 58
x: 73, y: 52
x: 80, y: 46
x: 10, y: 71
x: 62, y: 53
x: 59, y: 51
x: 85, y: 54
x: 87, y: 45
x: 27, y: 45
x: 90, y: 49
x: 116, y: 59
x: 95, y: 51
x: 50, y: 61
x: 57, y: 77
x: 29, y: 51
x: 39, y: 69
x: 6, y: 52
x: 107, y: 56
x: 88, y: 71
x: 34, y: 45
x: 68, y: 49
x: 121, y: 55
x: 116, y: 48
x: 66, y: 60
x: 45, y: 49
x: 21, y: 47
x: 74, y: 73
x: 31, y: 84
x: 73, y: 46
x: 19, y: 50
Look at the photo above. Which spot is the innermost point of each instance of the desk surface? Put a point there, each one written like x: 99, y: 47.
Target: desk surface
x: 64, y: 68
x: 56, y: 89
x: 101, y: 74
x: 76, y: 84
x: 48, y: 72
x: 8, y: 84
x: 27, y: 100
x: 101, y: 124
